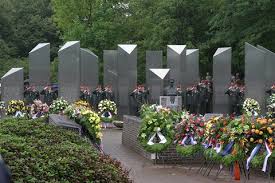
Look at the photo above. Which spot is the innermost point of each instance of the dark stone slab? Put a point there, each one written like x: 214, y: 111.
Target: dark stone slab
x: 88, y: 69
x: 153, y: 82
x: 192, y: 74
x: 221, y: 79
x: 39, y: 66
x: 269, y: 66
x: 254, y: 74
x: 64, y: 122
x: 176, y: 61
x: 12, y: 85
x: 127, y: 77
x: 110, y: 70
x: 69, y: 71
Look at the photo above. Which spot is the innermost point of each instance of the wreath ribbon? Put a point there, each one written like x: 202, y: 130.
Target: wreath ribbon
x: 252, y: 155
x: 18, y: 114
x: 218, y: 148
x: 160, y: 136
x: 192, y: 140
x: 269, y: 152
x: 228, y: 148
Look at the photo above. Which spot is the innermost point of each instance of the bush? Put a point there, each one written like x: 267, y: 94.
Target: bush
x: 37, y: 152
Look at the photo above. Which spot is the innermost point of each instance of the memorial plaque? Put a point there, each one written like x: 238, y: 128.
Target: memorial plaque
x: 153, y: 82
x: 176, y: 61
x: 39, y: 66
x: 127, y: 76
x: 192, y: 74
x: 269, y: 66
x: 110, y: 70
x: 12, y: 85
x: 64, y: 122
x: 88, y: 69
x: 69, y: 71
x: 171, y: 102
x: 221, y: 79
x: 254, y: 74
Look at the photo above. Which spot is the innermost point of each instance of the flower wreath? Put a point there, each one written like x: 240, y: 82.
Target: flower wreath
x: 58, y: 106
x: 189, y: 135
x: 107, y: 109
x: 156, y: 132
x: 251, y: 107
x: 16, y: 108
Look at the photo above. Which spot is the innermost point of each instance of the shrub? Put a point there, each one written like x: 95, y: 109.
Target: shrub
x: 38, y: 152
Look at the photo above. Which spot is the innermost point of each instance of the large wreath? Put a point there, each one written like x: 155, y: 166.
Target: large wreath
x: 190, y: 133
x: 156, y: 132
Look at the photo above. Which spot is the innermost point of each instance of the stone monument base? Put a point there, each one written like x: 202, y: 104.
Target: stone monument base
x: 172, y: 102
x: 65, y: 122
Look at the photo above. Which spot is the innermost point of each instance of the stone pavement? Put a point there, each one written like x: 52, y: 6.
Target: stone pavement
x: 144, y: 171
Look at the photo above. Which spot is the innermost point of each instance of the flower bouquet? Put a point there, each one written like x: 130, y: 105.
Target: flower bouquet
x: 58, y: 106
x: 251, y: 107
x: 16, y: 108
x: 107, y: 110
x: 82, y: 103
x: 190, y: 133
x: 38, y: 109
x: 156, y: 132
x: 91, y: 122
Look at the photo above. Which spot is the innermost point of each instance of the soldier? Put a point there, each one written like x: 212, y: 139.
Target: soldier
x: 30, y: 94
x: 49, y: 95
x: 97, y: 96
x: 108, y: 93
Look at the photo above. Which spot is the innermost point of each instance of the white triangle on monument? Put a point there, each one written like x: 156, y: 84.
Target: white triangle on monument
x: 161, y: 73
x: 177, y: 48
x: 128, y: 47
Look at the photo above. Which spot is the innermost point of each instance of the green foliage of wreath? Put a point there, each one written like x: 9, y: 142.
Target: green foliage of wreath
x: 189, y: 150
x: 152, y: 122
x: 211, y: 154
x: 258, y: 160
x: 231, y: 158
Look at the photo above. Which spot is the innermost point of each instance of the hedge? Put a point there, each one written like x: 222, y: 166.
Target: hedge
x: 38, y: 152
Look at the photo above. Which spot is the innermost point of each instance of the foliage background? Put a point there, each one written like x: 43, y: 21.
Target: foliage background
x: 152, y: 24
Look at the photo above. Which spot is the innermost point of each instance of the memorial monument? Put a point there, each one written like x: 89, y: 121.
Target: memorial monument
x: 88, y: 69
x: 176, y: 62
x: 153, y: 82
x: 254, y: 74
x: 127, y: 76
x: 110, y: 71
x: 221, y: 79
x: 171, y: 98
x: 39, y: 66
x: 12, y: 85
x: 191, y: 75
x: 69, y: 71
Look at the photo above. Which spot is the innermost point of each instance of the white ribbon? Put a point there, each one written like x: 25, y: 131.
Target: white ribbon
x: 218, y: 148
x: 160, y: 136
x: 18, y: 114
x: 193, y: 141
x: 269, y: 152
x: 252, y: 154
x: 183, y: 140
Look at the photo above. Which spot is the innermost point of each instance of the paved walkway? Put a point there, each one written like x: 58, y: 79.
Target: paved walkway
x: 144, y: 171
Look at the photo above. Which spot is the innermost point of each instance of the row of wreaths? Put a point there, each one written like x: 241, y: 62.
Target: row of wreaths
x: 222, y: 139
